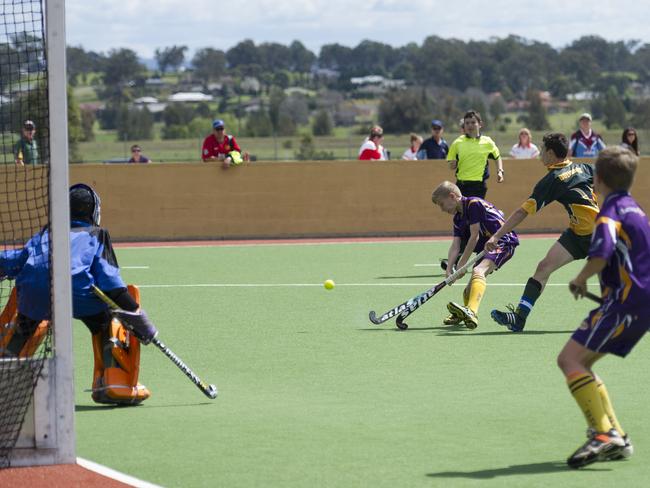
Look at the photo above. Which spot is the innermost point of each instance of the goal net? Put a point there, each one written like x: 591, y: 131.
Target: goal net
x: 28, y: 364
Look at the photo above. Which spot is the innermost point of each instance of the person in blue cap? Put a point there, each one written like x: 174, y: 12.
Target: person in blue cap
x: 220, y: 146
x: 435, y: 147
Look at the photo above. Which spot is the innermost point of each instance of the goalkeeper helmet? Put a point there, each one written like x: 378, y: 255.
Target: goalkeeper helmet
x: 85, y: 204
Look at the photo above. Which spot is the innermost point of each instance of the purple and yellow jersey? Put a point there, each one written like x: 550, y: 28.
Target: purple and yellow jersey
x: 490, y: 219
x: 622, y: 238
x: 570, y: 184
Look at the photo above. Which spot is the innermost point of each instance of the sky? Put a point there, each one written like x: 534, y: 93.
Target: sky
x: 144, y: 25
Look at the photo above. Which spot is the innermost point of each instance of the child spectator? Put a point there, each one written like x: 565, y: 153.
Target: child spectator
x: 412, y: 152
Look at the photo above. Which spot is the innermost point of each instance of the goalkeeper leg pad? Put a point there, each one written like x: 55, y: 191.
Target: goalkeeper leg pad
x: 117, y: 367
x: 20, y: 336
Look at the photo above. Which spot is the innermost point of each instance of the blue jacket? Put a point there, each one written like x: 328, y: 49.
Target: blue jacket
x: 92, y: 262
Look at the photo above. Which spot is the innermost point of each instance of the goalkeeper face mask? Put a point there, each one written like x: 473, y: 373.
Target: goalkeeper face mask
x: 85, y: 204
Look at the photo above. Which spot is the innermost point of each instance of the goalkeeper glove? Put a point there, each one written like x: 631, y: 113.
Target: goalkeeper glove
x: 138, y: 323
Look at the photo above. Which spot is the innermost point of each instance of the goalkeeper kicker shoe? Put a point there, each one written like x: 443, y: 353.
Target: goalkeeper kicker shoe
x: 467, y: 314
x: 599, y: 447
x: 510, y: 319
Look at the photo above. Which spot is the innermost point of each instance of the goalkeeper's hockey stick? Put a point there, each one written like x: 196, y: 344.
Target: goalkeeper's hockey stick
x: 589, y: 295
x: 408, y: 307
x: 208, y: 390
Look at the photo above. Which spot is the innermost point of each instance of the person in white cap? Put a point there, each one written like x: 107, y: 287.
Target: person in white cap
x: 26, y: 149
x: 585, y: 143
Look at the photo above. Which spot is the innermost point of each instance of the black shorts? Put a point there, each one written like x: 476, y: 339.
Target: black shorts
x: 578, y: 246
x: 472, y: 188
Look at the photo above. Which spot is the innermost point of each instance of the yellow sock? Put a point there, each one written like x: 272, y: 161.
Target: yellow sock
x: 476, y: 290
x: 607, y: 405
x: 585, y: 392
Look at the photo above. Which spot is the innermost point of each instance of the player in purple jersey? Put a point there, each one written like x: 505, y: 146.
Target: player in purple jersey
x: 620, y: 254
x: 475, y: 220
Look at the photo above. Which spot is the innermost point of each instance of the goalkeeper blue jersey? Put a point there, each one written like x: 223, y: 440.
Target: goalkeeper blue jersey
x: 92, y: 262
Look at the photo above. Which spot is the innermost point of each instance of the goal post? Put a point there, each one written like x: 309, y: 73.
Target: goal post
x: 38, y: 389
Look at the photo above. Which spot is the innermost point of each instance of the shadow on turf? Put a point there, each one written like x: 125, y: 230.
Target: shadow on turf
x: 97, y: 408
x: 460, y: 331
x: 517, y: 469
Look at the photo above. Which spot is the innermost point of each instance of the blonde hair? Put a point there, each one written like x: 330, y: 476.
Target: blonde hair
x: 616, y: 167
x: 443, y: 190
x: 415, y: 137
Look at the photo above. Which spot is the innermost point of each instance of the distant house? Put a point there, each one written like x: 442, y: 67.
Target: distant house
x: 189, y: 97
x: 581, y: 96
x: 152, y: 104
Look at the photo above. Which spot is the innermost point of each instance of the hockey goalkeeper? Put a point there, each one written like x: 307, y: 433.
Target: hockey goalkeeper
x: 93, y: 263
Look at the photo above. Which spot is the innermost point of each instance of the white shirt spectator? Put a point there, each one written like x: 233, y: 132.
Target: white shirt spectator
x: 522, y: 152
x: 410, y: 154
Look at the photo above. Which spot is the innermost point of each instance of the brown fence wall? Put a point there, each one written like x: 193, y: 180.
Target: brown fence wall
x: 295, y: 199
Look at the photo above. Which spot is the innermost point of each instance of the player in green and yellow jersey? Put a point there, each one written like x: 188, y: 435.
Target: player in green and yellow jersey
x: 570, y: 184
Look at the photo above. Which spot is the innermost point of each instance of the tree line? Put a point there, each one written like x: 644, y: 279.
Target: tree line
x: 511, y: 65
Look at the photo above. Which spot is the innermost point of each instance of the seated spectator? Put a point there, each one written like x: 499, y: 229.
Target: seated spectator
x: 412, y: 152
x: 524, y: 149
x: 630, y: 140
x: 137, y: 156
x: 435, y: 147
x: 585, y: 143
x: 220, y: 146
x: 371, y: 149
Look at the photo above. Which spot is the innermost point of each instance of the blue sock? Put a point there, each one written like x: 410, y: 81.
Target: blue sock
x: 531, y: 293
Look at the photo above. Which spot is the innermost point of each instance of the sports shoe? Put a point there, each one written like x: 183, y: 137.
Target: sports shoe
x: 511, y: 319
x: 467, y: 314
x: 599, y: 447
x: 627, y: 451
x: 453, y: 319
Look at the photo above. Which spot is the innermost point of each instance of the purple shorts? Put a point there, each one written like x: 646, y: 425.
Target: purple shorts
x: 501, y: 255
x: 613, y: 328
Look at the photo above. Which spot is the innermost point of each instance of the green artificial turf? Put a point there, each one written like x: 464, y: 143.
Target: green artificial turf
x: 311, y: 394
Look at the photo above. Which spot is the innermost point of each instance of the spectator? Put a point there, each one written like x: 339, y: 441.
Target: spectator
x: 412, y: 152
x: 524, y: 149
x: 220, y: 146
x: 434, y: 147
x: 137, y: 156
x: 585, y: 143
x: 26, y: 149
x: 371, y: 149
x: 630, y: 140
x: 469, y: 155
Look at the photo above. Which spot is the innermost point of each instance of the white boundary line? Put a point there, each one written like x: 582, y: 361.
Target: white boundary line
x: 298, y: 285
x: 116, y: 475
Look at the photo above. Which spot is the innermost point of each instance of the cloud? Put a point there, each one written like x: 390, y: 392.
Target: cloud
x: 144, y: 25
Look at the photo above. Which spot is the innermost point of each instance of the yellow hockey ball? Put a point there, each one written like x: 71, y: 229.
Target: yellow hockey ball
x: 329, y: 284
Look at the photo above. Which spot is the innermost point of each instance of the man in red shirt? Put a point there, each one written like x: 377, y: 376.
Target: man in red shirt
x: 220, y: 146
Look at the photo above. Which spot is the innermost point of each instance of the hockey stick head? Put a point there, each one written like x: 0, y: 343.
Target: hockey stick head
x: 373, y: 318
x: 401, y: 325
x: 211, y: 392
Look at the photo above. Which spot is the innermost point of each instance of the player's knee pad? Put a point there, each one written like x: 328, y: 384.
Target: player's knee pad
x: 117, y: 367
x: 20, y: 336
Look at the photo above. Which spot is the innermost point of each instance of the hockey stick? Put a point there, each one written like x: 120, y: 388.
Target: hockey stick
x: 408, y: 307
x: 588, y: 294
x: 208, y: 390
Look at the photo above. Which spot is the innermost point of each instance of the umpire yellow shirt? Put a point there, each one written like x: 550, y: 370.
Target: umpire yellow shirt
x: 472, y: 154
